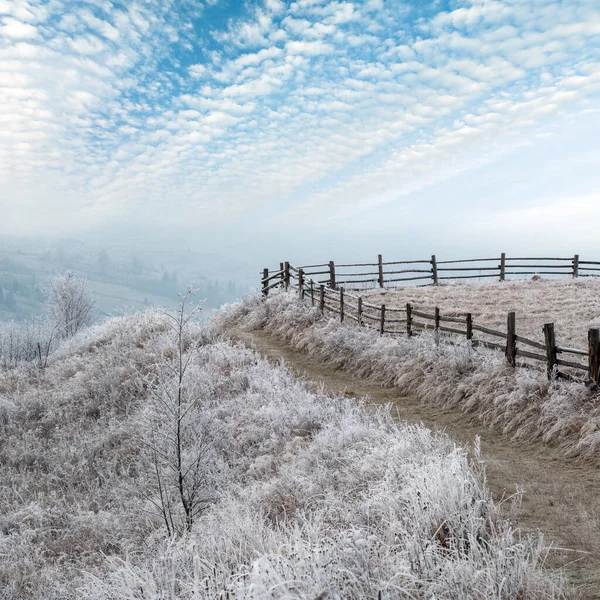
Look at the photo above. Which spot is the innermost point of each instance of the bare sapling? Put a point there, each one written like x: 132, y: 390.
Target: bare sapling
x: 177, y: 438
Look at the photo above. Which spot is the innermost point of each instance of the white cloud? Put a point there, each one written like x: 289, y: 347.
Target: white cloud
x: 17, y: 30
x: 309, y: 48
x: 316, y: 106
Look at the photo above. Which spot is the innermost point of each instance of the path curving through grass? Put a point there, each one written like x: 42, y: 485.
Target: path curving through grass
x: 560, y: 496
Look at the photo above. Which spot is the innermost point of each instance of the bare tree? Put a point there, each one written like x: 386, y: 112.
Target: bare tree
x: 71, y: 304
x: 177, y: 432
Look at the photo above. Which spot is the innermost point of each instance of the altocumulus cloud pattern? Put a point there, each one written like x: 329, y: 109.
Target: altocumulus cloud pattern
x: 216, y: 110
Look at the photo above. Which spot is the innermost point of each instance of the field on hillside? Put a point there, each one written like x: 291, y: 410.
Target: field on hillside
x: 520, y: 402
x: 573, y: 305
x: 124, y: 478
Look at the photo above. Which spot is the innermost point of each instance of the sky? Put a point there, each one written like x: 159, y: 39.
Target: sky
x: 309, y: 129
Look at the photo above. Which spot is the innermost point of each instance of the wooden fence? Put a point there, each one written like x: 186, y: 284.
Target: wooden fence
x: 328, y: 295
x: 433, y: 271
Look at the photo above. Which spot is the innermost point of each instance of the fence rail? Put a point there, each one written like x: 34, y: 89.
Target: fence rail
x: 393, y: 320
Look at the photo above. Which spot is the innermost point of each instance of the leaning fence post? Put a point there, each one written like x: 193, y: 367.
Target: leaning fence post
x: 408, y: 319
x: 594, y: 355
x: 265, y: 283
x: 341, y: 305
x: 312, y: 292
x: 511, y: 339
x: 301, y: 282
x: 382, y: 322
x: 331, y: 275
x: 576, y: 266
x: 434, y: 272
x: 286, y: 275
x: 322, y: 298
x: 502, y: 266
x: 359, y: 315
x: 550, y: 340
x: 469, y: 326
x: 282, y: 269
x: 380, y: 265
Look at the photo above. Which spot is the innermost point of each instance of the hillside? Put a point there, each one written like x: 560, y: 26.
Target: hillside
x: 121, y: 278
x: 573, y: 305
x: 292, y: 493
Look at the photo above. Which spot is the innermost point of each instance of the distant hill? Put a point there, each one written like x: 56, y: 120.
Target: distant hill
x: 123, y: 279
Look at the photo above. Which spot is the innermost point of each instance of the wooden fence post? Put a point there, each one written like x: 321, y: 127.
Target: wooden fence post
x: 341, y: 305
x: 312, y: 292
x: 301, y: 282
x: 437, y: 325
x: 331, y: 275
x: 287, y: 275
x: 282, y: 269
x: 359, y: 316
x: 511, y: 339
x: 576, y: 266
x: 550, y: 340
x: 594, y: 355
x: 502, y: 266
x: 382, y: 321
x: 434, y: 272
x: 322, y: 298
x: 469, y: 326
x: 380, y: 265
x: 408, y: 319
x: 265, y: 283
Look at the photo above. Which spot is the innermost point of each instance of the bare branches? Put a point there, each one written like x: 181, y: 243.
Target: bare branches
x: 178, y: 449
x: 72, y: 306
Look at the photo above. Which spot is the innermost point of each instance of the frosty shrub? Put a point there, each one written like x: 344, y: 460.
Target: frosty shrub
x: 520, y: 402
x: 28, y: 342
x: 71, y: 304
x: 311, y: 496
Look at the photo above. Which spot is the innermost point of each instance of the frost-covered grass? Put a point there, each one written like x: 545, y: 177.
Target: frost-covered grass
x: 520, y: 402
x: 311, y: 496
x: 573, y: 305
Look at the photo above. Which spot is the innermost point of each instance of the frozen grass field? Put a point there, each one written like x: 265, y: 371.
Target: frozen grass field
x: 520, y: 402
x: 307, y: 496
x: 573, y: 305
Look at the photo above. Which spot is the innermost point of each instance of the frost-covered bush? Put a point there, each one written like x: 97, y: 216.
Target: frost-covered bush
x: 520, y: 402
x: 28, y: 342
x: 310, y: 496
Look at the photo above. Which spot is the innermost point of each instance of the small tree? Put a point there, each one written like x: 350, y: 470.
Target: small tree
x: 71, y: 304
x: 176, y: 431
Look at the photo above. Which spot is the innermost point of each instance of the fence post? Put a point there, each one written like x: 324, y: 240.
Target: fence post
x: 341, y: 305
x: 301, y: 282
x: 469, y: 326
x: 594, y: 355
x: 331, y: 275
x: 550, y: 340
x: 502, y: 266
x: 312, y: 292
x: 511, y: 339
x: 322, y: 298
x: 359, y: 311
x: 265, y: 283
x: 576, y: 266
x: 282, y: 269
x: 408, y: 319
x: 380, y: 265
x: 437, y: 325
x: 287, y: 275
x: 382, y: 322
x: 434, y: 272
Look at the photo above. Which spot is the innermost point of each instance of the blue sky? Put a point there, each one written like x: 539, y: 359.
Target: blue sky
x: 465, y: 124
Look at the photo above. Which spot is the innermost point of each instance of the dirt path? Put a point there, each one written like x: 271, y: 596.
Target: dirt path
x: 561, y: 497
